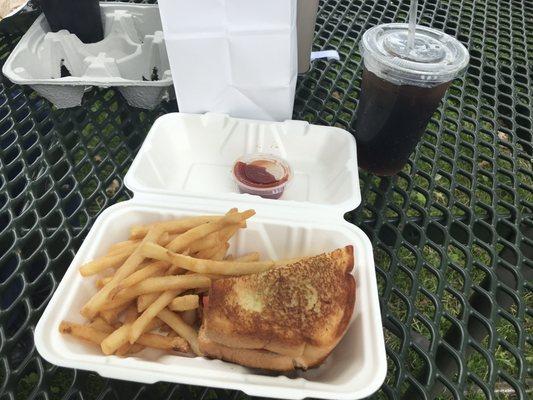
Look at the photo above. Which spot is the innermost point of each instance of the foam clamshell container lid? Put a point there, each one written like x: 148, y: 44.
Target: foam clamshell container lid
x: 184, y: 169
x: 132, y: 57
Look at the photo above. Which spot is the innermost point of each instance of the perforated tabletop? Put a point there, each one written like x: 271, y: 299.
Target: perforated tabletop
x: 452, y: 233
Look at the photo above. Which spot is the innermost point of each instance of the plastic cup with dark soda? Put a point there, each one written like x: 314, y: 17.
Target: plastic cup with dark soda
x: 401, y: 89
x: 80, y: 17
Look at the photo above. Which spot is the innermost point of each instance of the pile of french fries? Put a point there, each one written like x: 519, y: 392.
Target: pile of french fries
x: 150, y: 286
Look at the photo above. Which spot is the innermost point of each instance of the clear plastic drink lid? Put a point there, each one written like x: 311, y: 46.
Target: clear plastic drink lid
x: 435, y: 57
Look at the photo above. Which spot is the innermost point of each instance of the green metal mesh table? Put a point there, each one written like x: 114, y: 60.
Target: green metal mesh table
x: 452, y: 233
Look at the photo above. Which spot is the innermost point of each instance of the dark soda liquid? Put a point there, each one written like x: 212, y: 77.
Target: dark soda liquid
x: 80, y: 17
x: 391, y: 120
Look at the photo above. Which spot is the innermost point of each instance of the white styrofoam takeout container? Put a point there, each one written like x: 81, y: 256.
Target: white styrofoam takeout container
x: 133, y: 46
x: 184, y: 169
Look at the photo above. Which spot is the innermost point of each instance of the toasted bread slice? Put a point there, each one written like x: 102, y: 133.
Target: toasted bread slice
x: 298, y: 310
x: 247, y: 357
x: 264, y: 359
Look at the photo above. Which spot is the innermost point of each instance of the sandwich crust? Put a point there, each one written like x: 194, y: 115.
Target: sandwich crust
x: 247, y: 357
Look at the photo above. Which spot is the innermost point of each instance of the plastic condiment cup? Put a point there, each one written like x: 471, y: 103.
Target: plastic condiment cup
x: 274, y: 165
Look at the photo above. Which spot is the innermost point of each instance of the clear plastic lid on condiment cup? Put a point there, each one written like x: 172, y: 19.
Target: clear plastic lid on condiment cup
x: 435, y: 58
x: 277, y: 168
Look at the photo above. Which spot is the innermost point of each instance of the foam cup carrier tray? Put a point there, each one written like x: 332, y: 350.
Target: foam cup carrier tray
x: 9, y: 8
x: 132, y: 57
x: 184, y: 169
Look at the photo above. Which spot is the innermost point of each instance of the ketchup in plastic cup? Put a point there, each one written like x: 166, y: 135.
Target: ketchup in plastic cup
x: 263, y: 175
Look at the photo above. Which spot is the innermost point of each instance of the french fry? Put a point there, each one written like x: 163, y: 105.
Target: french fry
x: 116, y: 339
x: 145, y: 300
x: 152, y: 250
x: 164, y: 239
x: 122, y: 301
x: 152, y: 269
x: 167, y: 238
x: 111, y: 314
x: 208, y: 254
x: 214, y: 239
x: 181, y: 328
x: 218, y: 252
x: 126, y: 348
x: 175, y: 269
x: 103, y: 263
x: 163, y: 342
x: 213, y: 277
x: 150, y: 313
x: 171, y: 237
x: 174, y: 226
x: 154, y: 324
x: 184, y: 303
x: 123, y: 244
x: 120, y: 246
x: 134, y: 348
x: 228, y: 232
x: 129, y: 316
x: 100, y: 283
x: 210, y: 241
x: 85, y: 332
x: 221, y: 253
x: 90, y: 309
x: 249, y: 257
x: 100, y: 324
x: 131, y: 245
x: 119, y: 338
x: 163, y: 283
x: 184, y: 240
x: 114, y: 304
